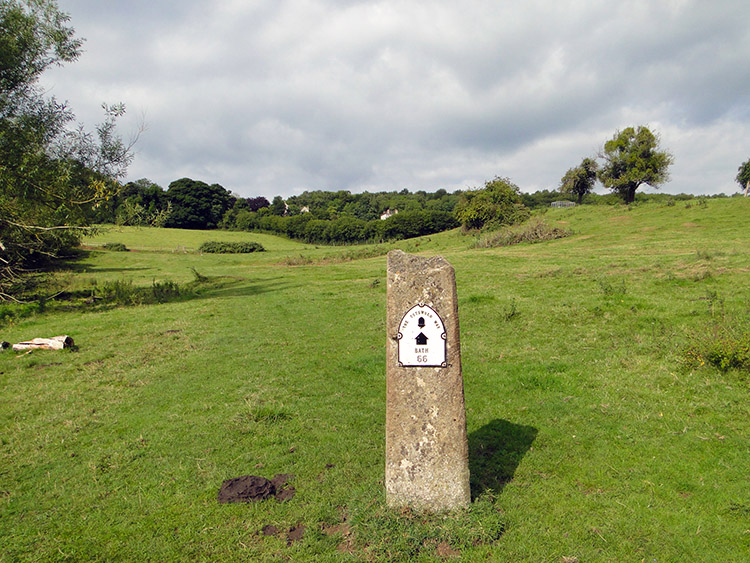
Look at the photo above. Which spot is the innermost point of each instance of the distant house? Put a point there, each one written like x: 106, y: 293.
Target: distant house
x: 305, y: 209
x: 563, y: 204
x: 388, y: 213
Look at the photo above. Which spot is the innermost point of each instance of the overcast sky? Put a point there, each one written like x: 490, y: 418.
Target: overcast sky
x: 274, y: 97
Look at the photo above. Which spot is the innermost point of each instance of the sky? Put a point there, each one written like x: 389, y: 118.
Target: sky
x: 275, y: 97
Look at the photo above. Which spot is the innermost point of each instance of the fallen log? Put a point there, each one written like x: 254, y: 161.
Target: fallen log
x: 54, y: 343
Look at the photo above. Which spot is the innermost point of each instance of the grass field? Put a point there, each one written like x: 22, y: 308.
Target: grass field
x: 592, y: 437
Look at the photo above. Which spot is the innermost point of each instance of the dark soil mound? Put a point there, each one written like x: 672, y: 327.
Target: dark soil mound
x: 249, y: 488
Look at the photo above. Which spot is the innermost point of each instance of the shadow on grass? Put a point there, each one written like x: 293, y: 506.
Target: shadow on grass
x: 495, y: 451
x: 200, y: 288
x: 75, y: 262
x: 220, y: 286
x: 85, y: 269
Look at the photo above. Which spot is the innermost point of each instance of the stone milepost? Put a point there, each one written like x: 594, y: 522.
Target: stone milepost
x: 426, y: 450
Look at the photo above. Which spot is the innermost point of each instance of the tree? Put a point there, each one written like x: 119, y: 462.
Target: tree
x: 631, y: 158
x: 580, y: 180
x: 743, y: 176
x: 497, y: 204
x: 278, y: 207
x: 52, y: 174
x: 138, y: 203
x: 256, y: 203
x: 196, y: 205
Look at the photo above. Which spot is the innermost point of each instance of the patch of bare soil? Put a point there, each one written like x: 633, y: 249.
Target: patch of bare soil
x: 445, y: 551
x: 292, y: 535
x: 269, y: 530
x: 342, y: 529
x: 295, y: 534
x: 250, y: 488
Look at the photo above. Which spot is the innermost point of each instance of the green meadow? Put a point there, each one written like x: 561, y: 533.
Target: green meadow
x: 602, y: 426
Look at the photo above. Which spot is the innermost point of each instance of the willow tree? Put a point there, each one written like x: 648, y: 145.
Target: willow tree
x: 632, y: 158
x: 52, y: 171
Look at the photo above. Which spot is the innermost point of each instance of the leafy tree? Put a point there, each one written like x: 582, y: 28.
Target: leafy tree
x: 256, y: 203
x: 250, y: 203
x: 277, y: 206
x: 196, y: 205
x: 631, y: 158
x: 543, y: 198
x: 580, y: 180
x: 498, y: 203
x: 139, y: 203
x: 743, y: 176
x: 240, y: 208
x: 52, y: 174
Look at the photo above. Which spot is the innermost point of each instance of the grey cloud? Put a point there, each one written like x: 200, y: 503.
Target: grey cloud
x: 274, y: 97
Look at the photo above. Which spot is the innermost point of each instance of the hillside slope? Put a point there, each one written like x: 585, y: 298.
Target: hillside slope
x: 592, y: 435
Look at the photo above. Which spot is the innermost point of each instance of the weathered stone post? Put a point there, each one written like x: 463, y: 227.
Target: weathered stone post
x: 426, y: 450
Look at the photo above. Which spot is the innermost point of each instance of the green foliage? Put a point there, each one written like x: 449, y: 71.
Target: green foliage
x: 115, y: 246
x: 743, y: 176
x: 543, y: 198
x: 632, y: 158
x: 328, y: 205
x: 123, y: 292
x: 223, y: 247
x: 346, y: 229
x: 580, y: 180
x: 410, y: 224
x: 723, y: 344
x: 535, y: 229
x: 497, y: 204
x: 164, y: 291
x: 511, y: 311
x: 51, y: 174
x: 196, y: 205
x: 278, y: 207
x: 138, y: 203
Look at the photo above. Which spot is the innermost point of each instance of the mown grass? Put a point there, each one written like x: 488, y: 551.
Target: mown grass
x: 591, y: 439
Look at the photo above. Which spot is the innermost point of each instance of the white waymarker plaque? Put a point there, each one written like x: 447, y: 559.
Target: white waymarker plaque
x: 421, y: 338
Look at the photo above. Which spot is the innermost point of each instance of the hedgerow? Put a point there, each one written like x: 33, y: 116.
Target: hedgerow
x: 220, y: 247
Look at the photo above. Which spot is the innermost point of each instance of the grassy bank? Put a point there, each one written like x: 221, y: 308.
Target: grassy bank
x: 592, y: 436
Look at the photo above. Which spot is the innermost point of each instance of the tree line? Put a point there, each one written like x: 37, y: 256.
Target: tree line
x: 339, y: 217
x: 327, y: 217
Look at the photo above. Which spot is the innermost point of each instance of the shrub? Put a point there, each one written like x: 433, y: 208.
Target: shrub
x: 161, y: 292
x: 219, y: 247
x: 723, y: 346
x: 115, y: 247
x: 498, y: 203
x: 122, y: 292
x: 534, y: 230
